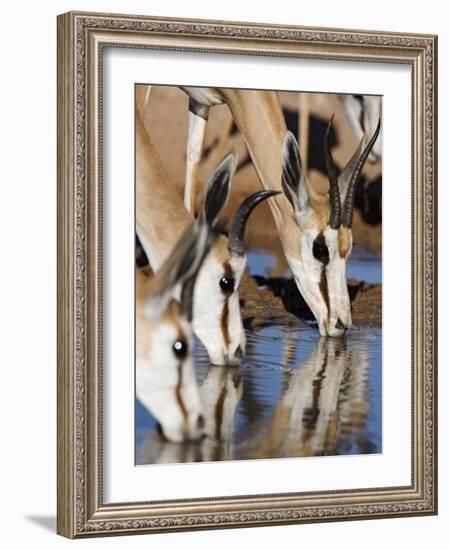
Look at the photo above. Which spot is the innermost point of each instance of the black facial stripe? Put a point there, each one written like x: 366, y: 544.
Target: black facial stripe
x: 324, y: 289
x: 320, y: 250
x: 224, y: 323
x: 178, y: 395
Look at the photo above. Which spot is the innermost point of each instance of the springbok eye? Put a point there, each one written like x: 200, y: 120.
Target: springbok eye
x: 227, y: 284
x: 320, y: 250
x: 180, y: 349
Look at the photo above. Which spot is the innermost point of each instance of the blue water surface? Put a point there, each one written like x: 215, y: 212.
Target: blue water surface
x: 362, y: 265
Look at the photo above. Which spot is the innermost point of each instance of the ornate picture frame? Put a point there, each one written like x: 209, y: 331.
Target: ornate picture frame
x: 82, y: 38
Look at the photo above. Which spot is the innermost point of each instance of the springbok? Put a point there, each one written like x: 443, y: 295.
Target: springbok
x: 325, y: 224
x: 165, y: 378
x: 161, y: 218
x: 315, y: 230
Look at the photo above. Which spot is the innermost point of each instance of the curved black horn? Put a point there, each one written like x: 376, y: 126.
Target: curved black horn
x: 348, y: 206
x: 238, y: 222
x: 334, y: 192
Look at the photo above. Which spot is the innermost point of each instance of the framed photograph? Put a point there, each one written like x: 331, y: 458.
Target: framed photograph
x: 246, y: 274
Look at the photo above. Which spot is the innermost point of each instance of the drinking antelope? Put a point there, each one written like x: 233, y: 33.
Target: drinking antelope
x: 165, y: 378
x: 161, y: 218
x: 325, y: 224
x: 315, y: 230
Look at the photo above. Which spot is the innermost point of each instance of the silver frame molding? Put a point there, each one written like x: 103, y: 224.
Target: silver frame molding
x: 81, y: 39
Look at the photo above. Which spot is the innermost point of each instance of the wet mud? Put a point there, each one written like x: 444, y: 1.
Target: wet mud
x: 277, y: 300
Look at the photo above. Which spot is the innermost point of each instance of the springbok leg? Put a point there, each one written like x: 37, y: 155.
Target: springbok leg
x: 198, y: 115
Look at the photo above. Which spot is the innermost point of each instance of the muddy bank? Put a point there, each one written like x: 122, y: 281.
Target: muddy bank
x: 276, y: 300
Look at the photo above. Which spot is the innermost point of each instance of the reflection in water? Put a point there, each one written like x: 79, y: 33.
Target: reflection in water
x: 296, y: 394
x: 309, y: 417
x: 221, y: 392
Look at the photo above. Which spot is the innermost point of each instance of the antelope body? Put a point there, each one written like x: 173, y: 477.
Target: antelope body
x: 316, y: 243
x: 161, y: 217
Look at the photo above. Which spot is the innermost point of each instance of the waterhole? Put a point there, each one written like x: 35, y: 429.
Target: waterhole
x: 296, y: 394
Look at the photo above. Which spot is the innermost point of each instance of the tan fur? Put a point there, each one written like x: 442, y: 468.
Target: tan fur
x: 259, y: 117
x: 220, y: 250
x: 161, y: 217
x: 158, y: 203
x: 317, y: 219
x: 160, y: 213
x: 344, y: 241
x: 144, y: 326
x: 145, y: 286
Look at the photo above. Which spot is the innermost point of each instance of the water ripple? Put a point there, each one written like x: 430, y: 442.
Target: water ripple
x: 295, y: 394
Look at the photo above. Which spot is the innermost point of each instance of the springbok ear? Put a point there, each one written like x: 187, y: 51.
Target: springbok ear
x: 218, y: 190
x: 293, y: 182
x: 182, y: 266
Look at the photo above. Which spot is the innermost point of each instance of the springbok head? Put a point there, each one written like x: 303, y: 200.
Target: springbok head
x: 362, y: 113
x: 165, y: 382
x: 325, y: 223
x: 217, y: 318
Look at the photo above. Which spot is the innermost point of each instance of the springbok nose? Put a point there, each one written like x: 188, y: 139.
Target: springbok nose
x: 340, y: 325
x: 239, y: 352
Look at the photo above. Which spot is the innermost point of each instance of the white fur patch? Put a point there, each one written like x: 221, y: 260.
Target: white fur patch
x: 204, y: 96
x: 307, y: 273
x: 208, y: 305
x: 195, y: 145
